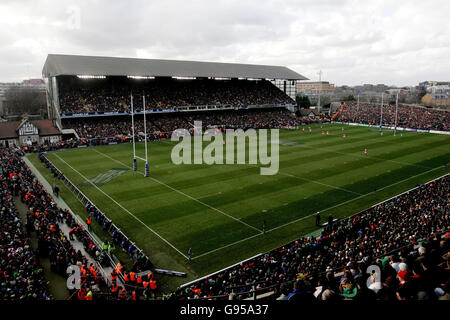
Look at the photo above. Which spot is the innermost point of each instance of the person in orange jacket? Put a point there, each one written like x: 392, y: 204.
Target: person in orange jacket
x: 122, y: 293
x: 81, y: 294
x: 114, y: 289
x: 153, y: 285
x: 94, y: 272
x: 133, y: 277
x: 83, y: 271
x: 88, y: 222
x: 139, y: 281
x: 119, y: 268
x: 113, y: 275
x: 126, y: 277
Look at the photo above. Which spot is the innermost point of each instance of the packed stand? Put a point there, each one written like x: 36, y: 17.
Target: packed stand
x: 407, y: 238
x: 44, y: 218
x: 98, y: 96
x: 21, y: 276
x: 134, y: 283
x: 162, y: 126
x: 407, y: 116
x: 116, y: 127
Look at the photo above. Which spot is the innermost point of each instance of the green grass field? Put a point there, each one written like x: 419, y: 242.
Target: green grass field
x: 218, y: 210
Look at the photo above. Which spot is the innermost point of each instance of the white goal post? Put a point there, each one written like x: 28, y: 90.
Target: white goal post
x: 145, y: 138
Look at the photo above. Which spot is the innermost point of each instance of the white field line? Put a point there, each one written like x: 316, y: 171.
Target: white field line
x: 335, y: 187
x: 349, y: 154
x: 321, y: 183
x: 313, y: 181
x: 123, y: 208
x: 353, y: 155
x: 308, y: 216
x: 226, y: 246
x: 302, y: 218
x: 363, y: 157
x: 182, y: 193
x: 351, y: 200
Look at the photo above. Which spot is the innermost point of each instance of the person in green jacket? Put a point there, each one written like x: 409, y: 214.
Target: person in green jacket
x: 107, y: 247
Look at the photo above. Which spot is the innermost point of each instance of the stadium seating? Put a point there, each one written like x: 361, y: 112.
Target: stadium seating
x: 407, y: 237
x: 408, y: 116
x: 21, y: 276
x: 161, y: 126
x: 131, y: 290
x: 20, y: 268
x: 168, y: 95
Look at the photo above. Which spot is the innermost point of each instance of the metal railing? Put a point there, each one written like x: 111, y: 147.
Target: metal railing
x: 85, y: 200
x: 254, y: 291
x: 97, y: 264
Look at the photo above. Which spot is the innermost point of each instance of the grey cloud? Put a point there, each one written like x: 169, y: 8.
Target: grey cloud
x: 351, y: 41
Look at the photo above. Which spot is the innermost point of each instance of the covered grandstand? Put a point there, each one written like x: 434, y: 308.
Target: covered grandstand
x: 90, y: 86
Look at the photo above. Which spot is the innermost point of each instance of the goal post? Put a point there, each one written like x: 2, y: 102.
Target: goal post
x: 132, y: 132
x: 135, y: 157
x: 146, y: 172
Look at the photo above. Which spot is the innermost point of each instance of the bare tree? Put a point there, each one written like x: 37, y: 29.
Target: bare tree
x: 419, y: 95
x: 402, y: 98
x: 325, y: 99
x: 22, y: 100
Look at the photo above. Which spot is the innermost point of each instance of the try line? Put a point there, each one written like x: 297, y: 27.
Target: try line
x: 122, y: 207
x: 182, y: 193
x: 245, y: 239
x: 359, y: 196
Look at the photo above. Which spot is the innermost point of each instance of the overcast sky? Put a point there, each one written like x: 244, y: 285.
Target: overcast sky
x: 352, y: 42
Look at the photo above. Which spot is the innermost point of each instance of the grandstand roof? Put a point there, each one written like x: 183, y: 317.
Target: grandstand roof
x: 58, y: 64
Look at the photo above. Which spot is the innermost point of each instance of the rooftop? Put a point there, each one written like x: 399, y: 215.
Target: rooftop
x: 58, y: 64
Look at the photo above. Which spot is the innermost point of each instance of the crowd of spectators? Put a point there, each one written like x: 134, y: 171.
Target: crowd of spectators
x: 162, y: 125
x: 167, y: 94
x: 407, y: 116
x: 407, y: 238
x: 65, y: 144
x: 20, y: 268
x: 96, y: 128
x: 255, y: 119
x: 119, y: 239
x: 21, y: 275
x: 120, y: 286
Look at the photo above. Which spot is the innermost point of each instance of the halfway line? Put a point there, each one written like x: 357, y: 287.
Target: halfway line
x: 326, y: 209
